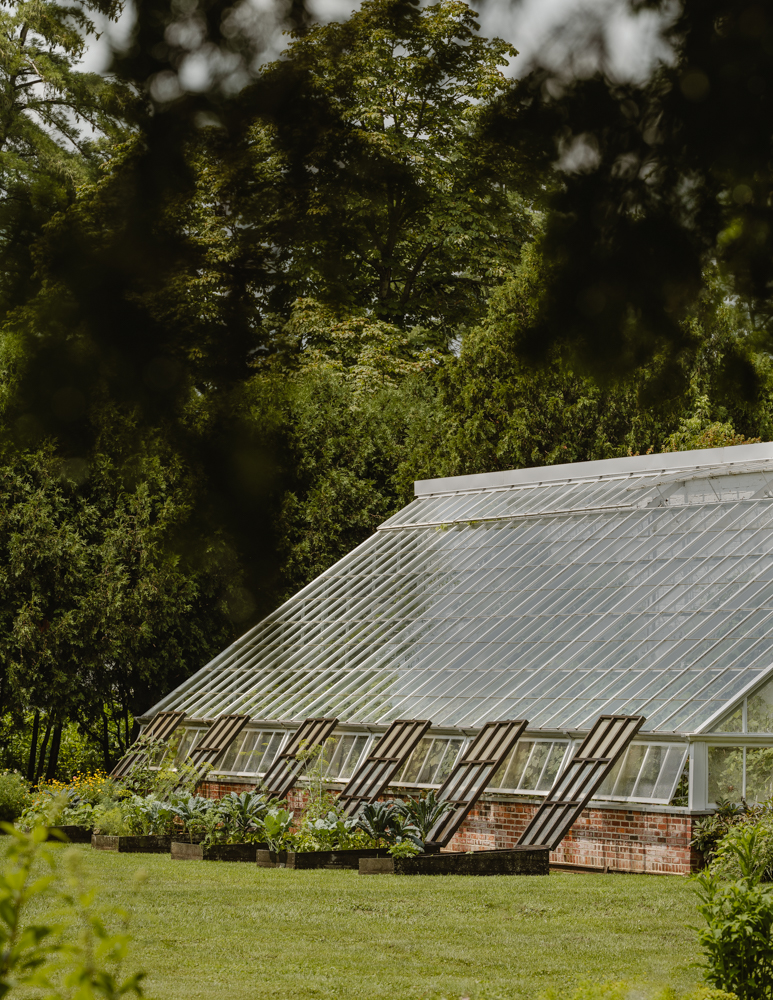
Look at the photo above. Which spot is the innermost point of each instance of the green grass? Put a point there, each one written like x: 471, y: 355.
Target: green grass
x: 225, y: 931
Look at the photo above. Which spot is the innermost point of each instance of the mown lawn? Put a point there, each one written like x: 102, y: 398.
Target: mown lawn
x: 236, y: 932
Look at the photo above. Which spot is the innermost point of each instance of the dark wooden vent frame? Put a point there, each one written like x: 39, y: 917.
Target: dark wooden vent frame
x: 217, y: 739
x: 285, y: 770
x: 598, y: 753
x: 472, y: 774
x: 383, y: 762
x: 160, y: 727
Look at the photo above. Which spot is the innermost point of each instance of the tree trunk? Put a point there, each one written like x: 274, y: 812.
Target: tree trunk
x: 33, y: 747
x: 53, y: 756
x: 43, y: 747
x: 106, y: 744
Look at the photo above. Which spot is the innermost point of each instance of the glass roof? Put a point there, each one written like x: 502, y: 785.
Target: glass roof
x: 634, y: 594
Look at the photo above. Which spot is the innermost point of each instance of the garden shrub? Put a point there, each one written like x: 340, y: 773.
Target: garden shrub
x: 725, y: 863
x: 14, y: 796
x: 738, y: 940
x: 73, y: 952
x: 710, y: 831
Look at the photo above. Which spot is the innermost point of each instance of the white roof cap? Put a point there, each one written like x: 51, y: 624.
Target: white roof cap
x: 665, y: 462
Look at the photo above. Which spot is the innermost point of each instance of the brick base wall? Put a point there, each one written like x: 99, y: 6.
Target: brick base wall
x: 616, y: 839
x: 626, y: 840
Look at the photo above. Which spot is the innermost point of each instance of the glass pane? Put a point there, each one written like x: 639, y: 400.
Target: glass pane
x: 733, y: 723
x: 186, y: 744
x: 537, y: 761
x: 433, y: 759
x: 550, y: 771
x: 759, y: 773
x: 670, y: 770
x: 725, y: 773
x: 447, y: 763
x: 648, y: 773
x: 245, y: 752
x: 353, y: 760
x: 338, y: 754
x: 759, y: 711
x: 416, y: 762
x: 629, y: 772
x: 230, y: 755
x: 509, y: 774
x: 608, y: 784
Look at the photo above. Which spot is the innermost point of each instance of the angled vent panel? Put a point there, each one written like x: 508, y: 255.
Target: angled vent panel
x: 284, y: 772
x: 218, y: 738
x: 573, y: 790
x: 160, y: 727
x: 383, y: 762
x: 471, y: 775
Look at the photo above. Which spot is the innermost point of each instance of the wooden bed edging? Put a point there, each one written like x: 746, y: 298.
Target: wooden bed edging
x: 514, y: 861
x: 270, y: 859
x: 182, y: 851
x: 75, y: 834
x: 148, y: 844
x: 333, y: 859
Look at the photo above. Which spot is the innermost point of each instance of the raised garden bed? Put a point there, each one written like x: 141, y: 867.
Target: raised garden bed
x: 75, y: 834
x: 182, y: 851
x: 514, y: 861
x: 270, y: 859
x: 333, y: 859
x: 149, y: 844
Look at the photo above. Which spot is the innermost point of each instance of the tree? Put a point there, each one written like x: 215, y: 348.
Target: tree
x: 98, y: 615
x: 657, y: 180
x: 495, y: 411
x: 344, y: 408
x: 55, y: 121
x: 396, y: 207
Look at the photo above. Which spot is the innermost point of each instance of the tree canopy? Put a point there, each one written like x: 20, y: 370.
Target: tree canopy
x: 241, y: 312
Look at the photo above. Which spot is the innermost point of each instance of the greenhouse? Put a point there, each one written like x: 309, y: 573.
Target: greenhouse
x: 633, y: 586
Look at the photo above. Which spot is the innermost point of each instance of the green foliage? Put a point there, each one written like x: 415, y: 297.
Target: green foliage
x: 84, y: 801
x: 404, y: 849
x: 14, y: 796
x: 423, y: 812
x: 275, y: 829
x: 155, y: 769
x: 405, y: 212
x: 333, y: 832
x: 727, y: 858
x: 737, y: 941
x: 88, y: 581
x: 709, y: 831
x: 320, y: 801
x: 194, y: 815
x: 242, y: 816
x: 73, y: 954
x: 386, y: 823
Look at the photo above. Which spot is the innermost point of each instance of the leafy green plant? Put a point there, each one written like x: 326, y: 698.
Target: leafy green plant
x: 14, y: 796
x: 333, y: 832
x: 386, y: 823
x: 425, y: 811
x: 725, y: 862
x: 46, y: 808
x: 241, y: 816
x: 404, y: 849
x: 276, y: 824
x: 708, y: 833
x: 320, y: 801
x: 738, y: 940
x: 109, y: 818
x: 47, y: 955
x: 193, y: 813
